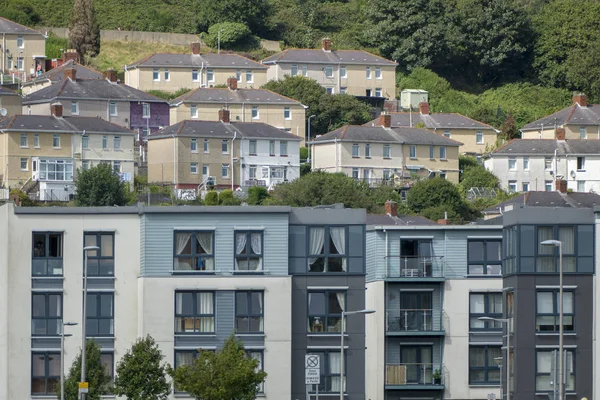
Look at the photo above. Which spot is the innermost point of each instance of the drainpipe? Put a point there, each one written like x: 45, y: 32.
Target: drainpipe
x: 232, y: 147
x: 244, y: 113
x: 336, y: 155
x: 3, y: 52
x: 387, y: 249
x: 556, y: 166
x: 174, y: 161
x: 4, y: 178
x: 201, y: 73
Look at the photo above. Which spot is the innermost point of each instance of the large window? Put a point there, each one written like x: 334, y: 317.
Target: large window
x: 248, y: 251
x: 325, y: 311
x: 327, y: 249
x: 258, y: 356
x: 547, y: 259
x: 485, y: 305
x: 56, y: 170
x: 100, y: 314
x: 45, y: 373
x: 194, y: 251
x: 249, y: 312
x: 47, y: 257
x: 46, y: 314
x: 483, y: 368
x: 194, y: 312
x: 485, y: 257
x: 546, y: 372
x: 547, y: 311
x: 100, y: 262
x: 330, y: 362
x: 107, y: 359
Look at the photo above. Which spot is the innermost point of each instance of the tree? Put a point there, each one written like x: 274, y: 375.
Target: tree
x: 84, y: 31
x: 434, y: 193
x: 478, y: 177
x: 96, y: 375
x: 256, y: 195
x: 253, y: 13
x: 234, y: 35
x: 100, y: 186
x: 226, y: 374
x: 141, y: 375
x: 509, y: 128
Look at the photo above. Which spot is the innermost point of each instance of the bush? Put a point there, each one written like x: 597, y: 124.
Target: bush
x: 53, y: 46
x: 226, y: 198
x: 211, y: 198
x: 168, y: 95
x: 256, y: 195
x: 234, y: 35
x: 23, y: 198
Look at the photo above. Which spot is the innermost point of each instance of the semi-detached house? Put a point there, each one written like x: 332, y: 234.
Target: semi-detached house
x: 23, y: 50
x: 58, y: 74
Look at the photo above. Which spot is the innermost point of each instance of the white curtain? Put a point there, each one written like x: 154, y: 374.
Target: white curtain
x: 338, y: 236
x: 181, y: 241
x: 240, y: 243
x: 477, y: 304
x: 341, y: 299
x: 317, y: 240
x: 545, y: 233
x: 256, y: 245
x: 184, y: 358
x: 567, y: 302
x: 544, y: 303
x: 567, y: 237
x: 206, y: 307
x: 205, y: 241
x: 260, y: 303
x: 334, y: 368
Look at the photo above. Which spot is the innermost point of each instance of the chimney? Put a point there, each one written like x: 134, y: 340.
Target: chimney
x: 195, y: 47
x: 232, y: 83
x: 71, y: 73
x: 70, y: 54
x: 391, y: 208
x: 110, y: 75
x: 224, y: 116
x: 560, y: 133
x: 424, y: 108
x: 581, y: 99
x: 445, y: 220
x: 385, y: 120
x: 56, y: 109
x: 326, y: 44
x: 561, y: 185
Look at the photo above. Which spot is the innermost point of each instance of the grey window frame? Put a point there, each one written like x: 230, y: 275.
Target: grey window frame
x: 327, y: 316
x: 443, y: 153
x: 56, y: 141
x: 271, y: 147
x: 46, y: 256
x: 387, y: 151
x: 326, y: 375
x: 432, y: 152
x: 248, y: 315
x: 193, y: 145
x: 112, y: 109
x: 249, y: 253
x: 224, y: 146
x: 568, y: 258
x: 46, y: 377
x: 327, y: 255
x: 412, y: 151
x: 156, y: 74
x: 206, y: 146
x: 110, y: 366
x: 195, y: 314
x: 252, y: 146
x: 261, y: 353
x: 194, y: 250
x: 23, y: 136
x: 485, y: 261
x: 93, y: 255
x: 46, y: 317
x: 487, y: 368
x: 570, y: 388
x: 355, y: 150
x: 85, y: 142
x: 555, y: 311
x: 489, y: 325
x: 367, y: 150
x: 99, y: 317
x: 117, y: 142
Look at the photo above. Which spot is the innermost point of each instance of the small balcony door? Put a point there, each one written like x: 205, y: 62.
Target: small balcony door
x: 416, y: 311
x: 416, y: 257
x: 418, y: 361
x: 205, y: 173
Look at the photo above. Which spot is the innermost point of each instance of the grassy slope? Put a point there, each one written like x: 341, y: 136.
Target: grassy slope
x: 117, y: 54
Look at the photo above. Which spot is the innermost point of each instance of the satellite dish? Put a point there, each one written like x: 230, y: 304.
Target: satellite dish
x: 3, y: 112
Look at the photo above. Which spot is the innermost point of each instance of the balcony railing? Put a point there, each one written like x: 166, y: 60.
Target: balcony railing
x: 415, y: 267
x: 414, y: 320
x: 414, y: 374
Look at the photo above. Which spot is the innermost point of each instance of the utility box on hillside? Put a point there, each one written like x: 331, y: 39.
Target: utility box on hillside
x: 410, y: 98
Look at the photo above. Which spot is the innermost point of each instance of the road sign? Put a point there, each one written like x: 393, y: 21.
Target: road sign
x: 312, y: 361
x: 83, y: 387
x: 312, y: 365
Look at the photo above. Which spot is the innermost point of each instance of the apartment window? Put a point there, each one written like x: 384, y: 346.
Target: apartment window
x: 343, y: 90
x: 36, y: 140
x: 479, y: 137
x: 20, y: 64
x: 387, y: 151
x: 195, y: 76
x: 545, y: 360
x: 304, y: 70
x: 547, y: 256
x: 167, y: 75
x: 258, y: 356
x: 45, y: 373
x: 23, y: 140
x: 547, y: 163
x: 325, y: 311
x: 387, y: 174
x: 112, y: 108
x: 100, y: 262
x: 368, y: 71
x: 252, y: 147
x: 413, y: 151
x: 194, y: 168
x: 582, y: 132
x: 512, y: 186
x: 56, y: 141
x: 329, y: 90
x: 46, y: 314
x: 100, y: 314
x: 249, y: 312
x: 485, y: 305
x: 525, y: 187
x: 330, y: 371
x: 377, y: 73
x: 485, y: 257
x: 225, y: 170
x: 193, y: 111
x: 194, y: 145
x: 238, y: 75
x: 249, y: 76
x: 117, y: 142
x: 205, y: 145
x: 343, y: 71
x: 117, y: 166
x: 431, y: 152
x: 271, y: 147
x: 24, y: 163
x: 194, y: 251
x: 329, y: 71
x: 85, y: 142
x: 252, y: 172
x: 367, y: 150
x: 294, y: 69
x: 526, y: 163
x: 255, y: 112
x: 155, y: 74
x: 283, y: 148
x: 104, y: 142
x: 580, y: 163
x: 442, y: 152
x: 355, y: 151
x: 483, y: 369
x: 107, y: 360
x: 248, y: 251
x: 377, y: 92
x: 548, y: 186
x: 547, y: 311
x: 581, y: 186
x: 210, y: 75
x: 194, y: 312
x: 287, y: 113
x: 20, y: 43
x: 447, y: 134
x: 224, y: 146
x: 145, y: 110
x: 327, y: 247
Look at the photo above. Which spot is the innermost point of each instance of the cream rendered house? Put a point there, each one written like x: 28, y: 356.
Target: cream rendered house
x: 9, y: 101
x: 171, y: 72
x: 354, y: 72
x: 23, y: 49
x: 58, y: 74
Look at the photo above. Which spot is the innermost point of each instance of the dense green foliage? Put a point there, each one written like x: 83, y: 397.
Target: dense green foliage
x: 256, y: 195
x: 84, y: 31
x: 54, y: 45
x: 432, y: 197
x: 96, y: 375
x: 168, y: 95
x: 234, y: 36
x: 100, y: 186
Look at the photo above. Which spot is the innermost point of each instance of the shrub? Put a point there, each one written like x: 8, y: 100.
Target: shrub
x: 234, y: 35
x: 256, y: 195
x: 212, y: 198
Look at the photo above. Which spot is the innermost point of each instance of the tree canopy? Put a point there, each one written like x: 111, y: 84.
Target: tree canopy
x: 84, y: 31
x: 234, y: 35
x: 430, y: 197
x: 96, y: 375
x: 100, y: 186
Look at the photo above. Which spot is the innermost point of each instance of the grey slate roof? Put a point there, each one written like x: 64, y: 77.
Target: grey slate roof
x: 210, y: 60
x: 435, y: 121
x: 373, y: 219
x: 89, y: 89
x: 355, y: 133
x: 9, y: 27
x: 49, y: 123
x: 7, y: 92
x: 58, y: 74
x: 218, y: 129
x: 572, y: 115
x: 547, y: 147
x: 239, y: 96
x: 547, y: 199
x: 319, y: 56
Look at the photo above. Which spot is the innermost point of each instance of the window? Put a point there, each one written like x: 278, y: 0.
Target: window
x: 195, y: 76
x: 117, y: 142
x: 386, y: 151
x: 294, y: 69
x: 329, y: 71
x: 512, y: 186
x: 194, y: 251
x: 343, y: 90
x: 36, y: 140
x: 85, y: 142
x: 224, y: 146
x: 249, y: 312
x: 547, y: 163
x: 205, y: 145
x: 248, y: 251
x: 367, y: 150
x: 205, y: 172
x: 194, y: 168
x: 225, y: 170
x: 104, y: 142
x: 107, y: 359
x: 329, y: 90
x: 287, y: 113
x: 387, y: 173
x: 377, y: 72
x: 45, y: 373
x: 546, y: 362
x: 355, y: 173
x: 249, y: 77
x: 413, y: 151
x: 85, y: 164
x: 525, y: 187
x: 325, y: 311
x: 117, y: 166
x: 20, y: 65
x: 304, y: 70
x: 194, y: 145
x: 377, y: 92
x: 193, y: 111
x: 479, y: 137
x: 20, y: 43
x: 100, y: 314
x: 255, y: 112
x: 252, y: 147
x: 485, y: 305
x: 548, y: 186
x: 355, y: 151
x: 547, y: 311
x: 112, y: 108
x: 582, y: 132
x: 330, y: 362
x: 155, y: 74
x: 56, y: 170
x: 447, y: 134
x: 46, y: 314
x: 167, y: 75
x: 210, y: 75
x: 283, y: 148
x: 56, y: 141
x: 526, y: 163
x: 327, y: 249
x: 145, y: 110
x: 485, y: 257
x: 442, y: 152
x: 23, y: 140
x: 102, y: 262
x: 258, y: 355
x: 580, y: 163
x: 145, y: 132
x: 24, y: 162
x: 252, y: 172
x: 512, y: 163
x: 271, y: 147
x: 368, y: 71
x: 581, y: 186
x: 194, y: 312
x: 431, y: 152
x: 343, y: 71
x: 238, y: 75
x: 483, y: 369
x: 547, y: 256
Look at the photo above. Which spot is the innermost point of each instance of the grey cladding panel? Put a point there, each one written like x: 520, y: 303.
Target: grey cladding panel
x: 48, y: 284
x: 252, y: 340
x: 225, y: 314
x: 585, y: 240
x: 101, y: 284
x: 298, y: 265
x: 356, y: 265
x: 528, y: 243
x: 45, y: 343
x: 357, y: 241
x: 297, y: 241
x: 196, y: 341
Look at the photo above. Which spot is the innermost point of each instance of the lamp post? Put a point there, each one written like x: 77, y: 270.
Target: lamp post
x: 308, y: 133
x: 219, y: 41
x: 344, y: 314
x: 561, y: 378
x: 62, y: 356
x: 504, y: 321
x: 83, y: 316
x: 498, y: 361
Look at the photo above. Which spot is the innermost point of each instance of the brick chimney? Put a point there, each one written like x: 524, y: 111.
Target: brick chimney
x: 56, y: 109
x: 232, y: 83
x: 385, y: 120
x: 444, y: 221
x: 581, y: 99
x: 111, y: 75
x: 391, y: 208
x: 326, y: 44
x: 224, y: 116
x: 71, y: 73
x: 424, y: 108
x: 561, y: 185
x: 195, y: 47
x: 560, y: 134
x: 70, y: 54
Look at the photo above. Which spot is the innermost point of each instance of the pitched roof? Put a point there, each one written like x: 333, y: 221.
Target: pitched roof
x: 355, y: 133
x: 546, y: 199
x: 9, y: 27
x: 319, y: 56
x: 58, y: 74
x: 50, y: 123
x: 210, y: 60
x: 7, y: 92
x: 89, y: 89
x: 547, y: 147
x: 218, y: 129
x: 239, y: 96
x: 434, y: 121
x: 574, y: 114
x: 373, y: 219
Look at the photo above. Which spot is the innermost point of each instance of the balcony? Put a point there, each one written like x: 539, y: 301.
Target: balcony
x: 415, y: 322
x: 416, y: 268
x: 412, y: 376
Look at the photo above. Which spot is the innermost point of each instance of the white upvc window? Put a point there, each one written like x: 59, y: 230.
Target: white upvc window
x: 377, y: 72
x: 194, y: 168
x: 355, y: 150
x: 193, y: 111
x: 225, y: 146
x: 117, y: 166
x: 413, y: 151
x: 156, y: 74
x: 24, y: 163
x: 377, y: 92
x: 74, y: 108
x: 23, y: 140
x: 117, y: 142
x: 225, y: 170
x: 329, y: 90
x: 343, y: 90
x: 85, y: 142
x: 442, y: 152
x: 526, y: 163
x: 479, y: 137
x: 36, y: 140
x: 387, y: 151
x: 194, y: 145
x: 581, y: 186
x: 112, y: 108
x: 104, y: 142
x: 304, y: 70
x: 210, y: 75
x: 238, y: 75
x: 582, y: 132
x: 195, y: 76
x: 205, y: 146
x: 512, y: 163
x: 343, y: 71
x: 512, y: 186
x: 20, y: 42
x: 447, y: 134
x: 167, y: 75
x: 368, y: 72
x: 525, y: 187
x: 329, y: 71
x: 355, y: 173
x: 145, y: 110
x: 287, y: 113
x: 249, y: 76
x: 255, y: 112
x: 56, y: 141
x: 283, y: 148
x: 20, y: 64
x: 294, y: 69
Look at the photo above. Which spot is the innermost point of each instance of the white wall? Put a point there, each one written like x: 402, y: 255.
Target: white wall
x: 262, y: 158
x: 4, y: 304
x: 375, y: 340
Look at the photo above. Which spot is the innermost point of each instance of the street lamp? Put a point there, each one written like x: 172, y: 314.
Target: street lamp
x: 62, y: 356
x: 504, y: 321
x: 344, y: 314
x: 83, y: 317
x: 219, y: 41
x: 308, y: 135
x: 499, y: 361
x: 561, y: 378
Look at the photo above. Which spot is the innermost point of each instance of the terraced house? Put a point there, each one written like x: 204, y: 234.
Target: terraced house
x: 23, y: 50
x: 58, y: 74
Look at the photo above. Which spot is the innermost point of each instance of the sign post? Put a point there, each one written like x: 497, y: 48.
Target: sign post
x: 83, y: 387
x: 312, y: 371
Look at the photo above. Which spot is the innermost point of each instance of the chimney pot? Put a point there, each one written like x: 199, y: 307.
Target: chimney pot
x: 70, y: 54
x: 391, y: 208
x: 561, y: 185
x: 581, y: 99
x: 560, y: 134
x: 195, y: 47
x: 56, y: 109
x: 71, y: 73
x: 385, y: 120
x: 424, y: 108
x: 110, y: 75
x: 232, y: 83
x: 224, y: 116
x: 326, y: 44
